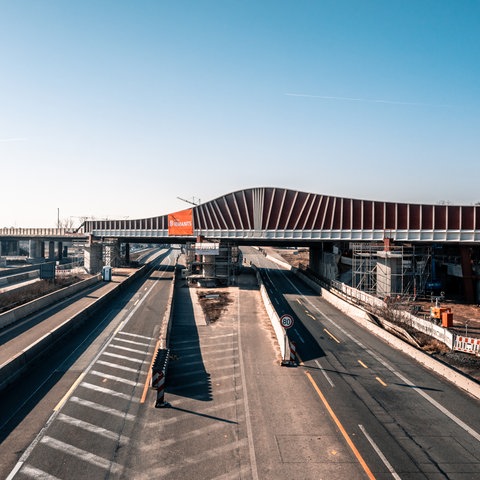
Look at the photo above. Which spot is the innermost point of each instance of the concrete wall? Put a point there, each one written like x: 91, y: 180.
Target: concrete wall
x: 15, y: 314
x: 18, y: 366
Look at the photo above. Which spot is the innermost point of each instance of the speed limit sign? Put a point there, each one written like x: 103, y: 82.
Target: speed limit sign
x: 286, y: 321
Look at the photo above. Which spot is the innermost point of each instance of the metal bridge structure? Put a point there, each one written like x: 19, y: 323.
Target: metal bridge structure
x: 276, y: 215
x: 284, y: 217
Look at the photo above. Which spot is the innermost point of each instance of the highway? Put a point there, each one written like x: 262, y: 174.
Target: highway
x: 401, y: 417
x: 28, y: 406
x: 354, y: 408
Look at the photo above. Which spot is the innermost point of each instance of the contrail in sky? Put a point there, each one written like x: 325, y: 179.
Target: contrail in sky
x: 367, y: 100
x: 5, y: 140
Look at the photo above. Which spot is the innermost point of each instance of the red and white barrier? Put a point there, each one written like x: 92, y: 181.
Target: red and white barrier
x: 467, y: 344
x: 293, y: 352
x: 159, y: 372
x: 161, y: 392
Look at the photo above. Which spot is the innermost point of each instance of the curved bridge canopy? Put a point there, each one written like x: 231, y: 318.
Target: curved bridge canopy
x: 278, y: 214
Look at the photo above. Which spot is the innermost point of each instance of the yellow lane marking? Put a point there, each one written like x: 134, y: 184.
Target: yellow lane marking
x: 336, y: 339
x: 299, y: 301
x: 70, y: 390
x: 381, y: 381
x: 362, y: 364
x: 310, y: 315
x: 341, y: 428
x: 149, y: 376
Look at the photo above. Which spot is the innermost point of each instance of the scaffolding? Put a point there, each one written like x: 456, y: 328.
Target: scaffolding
x: 218, y: 267
x: 401, y: 271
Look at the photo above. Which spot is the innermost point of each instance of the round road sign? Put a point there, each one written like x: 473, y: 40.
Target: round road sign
x: 286, y: 321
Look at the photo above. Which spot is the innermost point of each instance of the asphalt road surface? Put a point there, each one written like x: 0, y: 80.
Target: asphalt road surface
x: 405, y: 421
x: 355, y: 408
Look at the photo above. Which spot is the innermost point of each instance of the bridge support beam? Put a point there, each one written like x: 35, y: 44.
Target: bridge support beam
x: 323, y: 261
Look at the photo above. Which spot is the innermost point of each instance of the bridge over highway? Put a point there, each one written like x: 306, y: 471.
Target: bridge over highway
x: 279, y: 216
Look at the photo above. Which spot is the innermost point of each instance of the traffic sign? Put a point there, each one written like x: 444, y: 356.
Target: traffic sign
x: 286, y: 321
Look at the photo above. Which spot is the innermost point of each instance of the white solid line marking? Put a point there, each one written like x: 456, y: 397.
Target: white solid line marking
x: 127, y: 349
x: 131, y: 342
x: 114, y: 393
x: 102, y: 408
x: 324, y: 373
x: 82, y: 454
x: 135, y: 335
x: 120, y: 367
x: 114, y: 378
x: 90, y: 427
x: 380, y: 454
x: 123, y: 357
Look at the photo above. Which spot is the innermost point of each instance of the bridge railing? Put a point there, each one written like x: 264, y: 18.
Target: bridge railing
x: 37, y: 232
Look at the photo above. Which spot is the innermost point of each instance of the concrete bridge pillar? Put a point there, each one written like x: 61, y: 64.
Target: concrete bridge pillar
x: 10, y: 247
x: 60, y: 250
x: 51, y: 250
x: 36, y: 250
x: 323, y: 261
x: 127, y: 253
x: 93, y: 261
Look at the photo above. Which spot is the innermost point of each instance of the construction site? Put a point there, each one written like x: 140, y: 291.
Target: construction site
x: 211, y: 263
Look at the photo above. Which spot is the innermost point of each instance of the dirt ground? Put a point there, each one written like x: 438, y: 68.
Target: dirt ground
x: 214, y: 302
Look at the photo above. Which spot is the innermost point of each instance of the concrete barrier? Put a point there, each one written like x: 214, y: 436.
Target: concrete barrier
x: 280, y: 333
x: 15, y: 314
x: 164, y: 338
x: 17, y: 366
x: 361, y: 317
x: 18, y: 277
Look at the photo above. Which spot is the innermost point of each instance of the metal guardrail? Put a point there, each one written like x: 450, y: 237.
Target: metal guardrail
x: 40, y: 232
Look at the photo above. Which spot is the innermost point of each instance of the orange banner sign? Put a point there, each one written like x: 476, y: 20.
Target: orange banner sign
x: 181, y: 223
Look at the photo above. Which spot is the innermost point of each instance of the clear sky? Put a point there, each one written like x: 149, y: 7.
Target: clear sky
x: 114, y: 108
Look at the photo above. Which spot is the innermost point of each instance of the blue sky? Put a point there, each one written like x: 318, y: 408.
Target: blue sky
x: 116, y: 108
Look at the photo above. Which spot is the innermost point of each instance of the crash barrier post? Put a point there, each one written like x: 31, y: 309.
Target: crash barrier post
x: 293, y: 352
x: 159, y: 369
